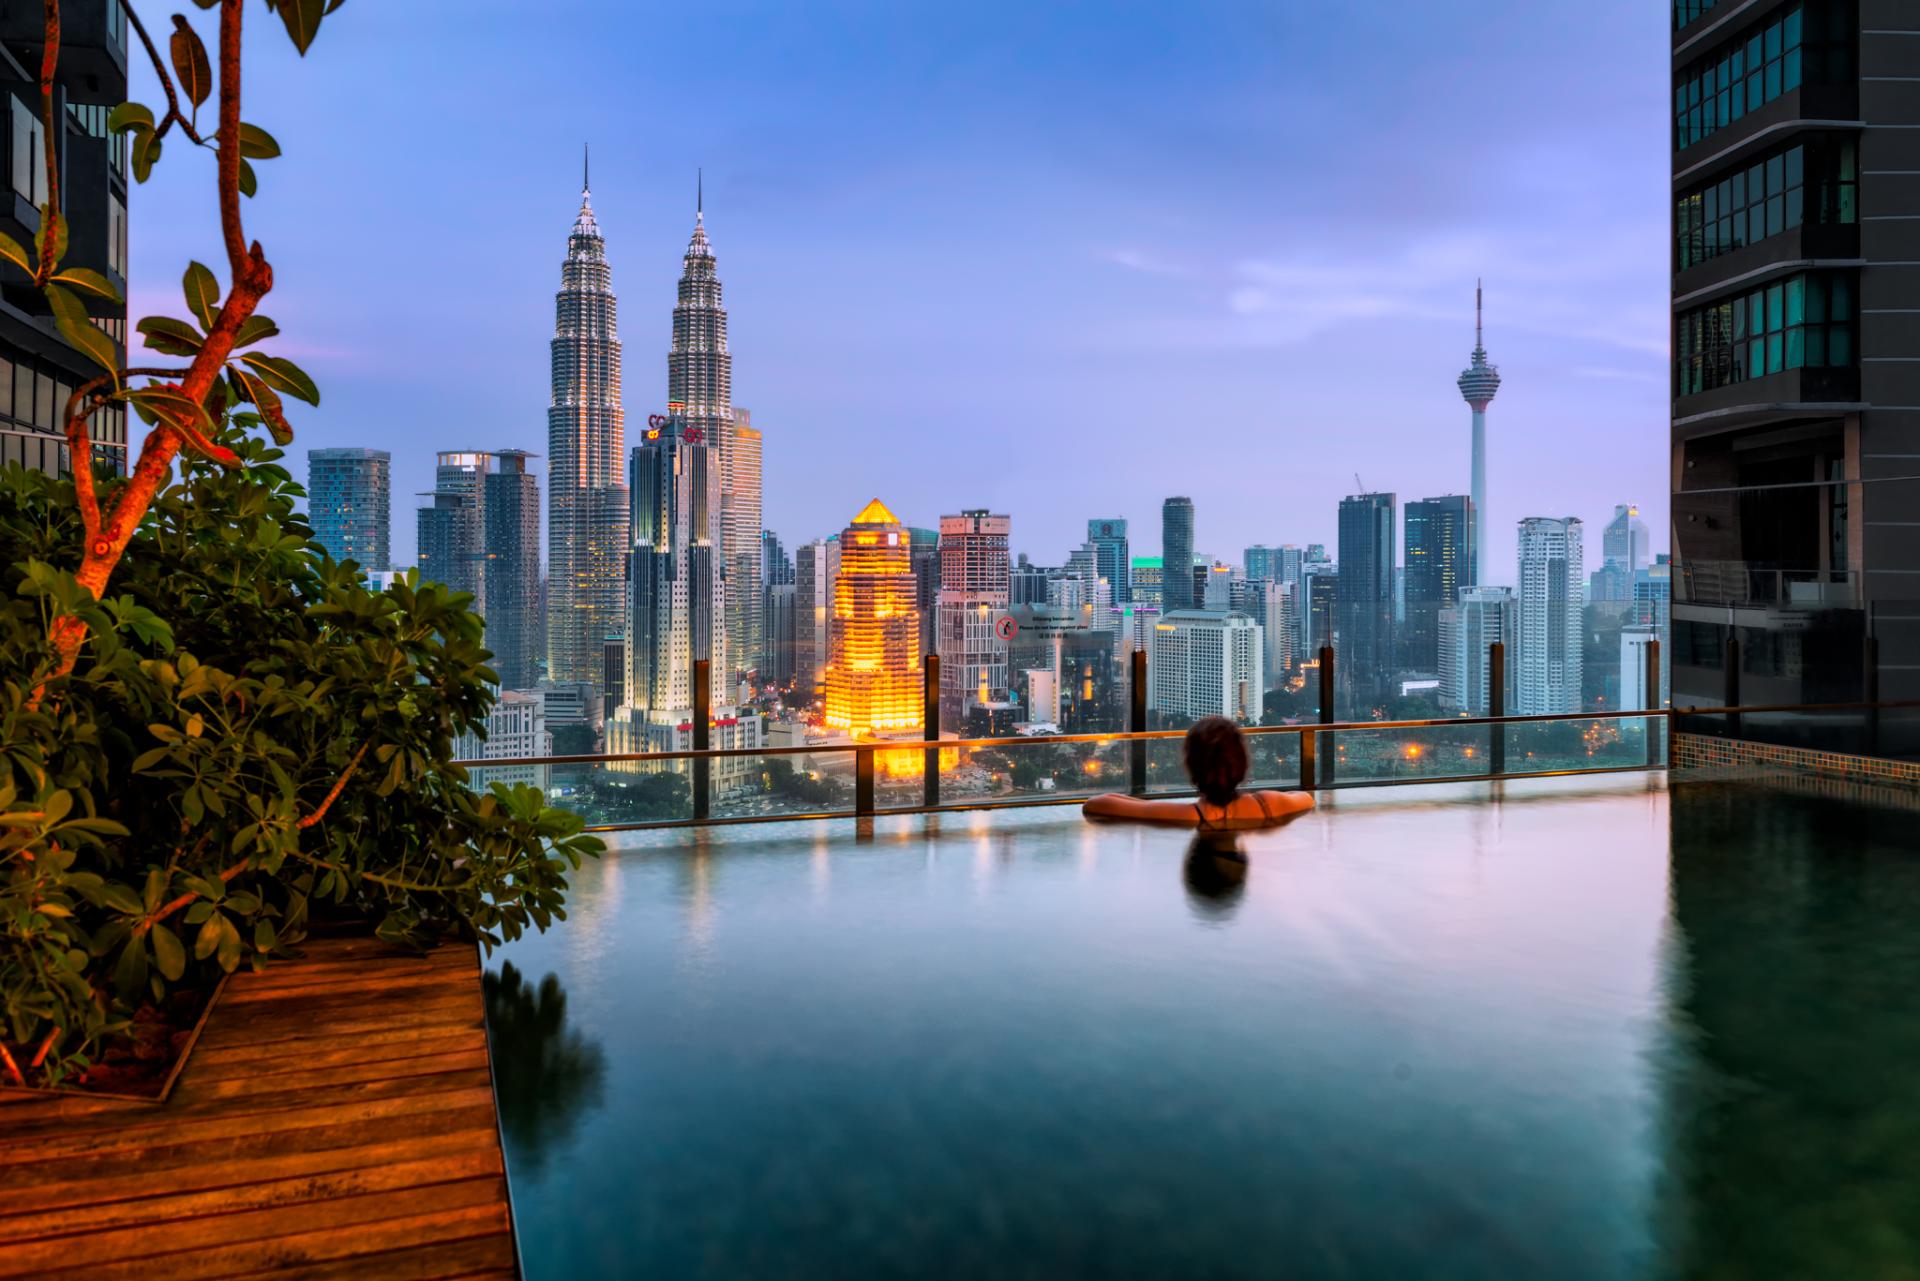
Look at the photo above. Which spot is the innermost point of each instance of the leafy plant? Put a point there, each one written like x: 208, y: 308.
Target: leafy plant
x: 255, y: 735
x: 240, y: 733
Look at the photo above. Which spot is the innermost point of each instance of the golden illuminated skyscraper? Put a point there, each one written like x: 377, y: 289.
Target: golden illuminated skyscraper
x: 873, y: 681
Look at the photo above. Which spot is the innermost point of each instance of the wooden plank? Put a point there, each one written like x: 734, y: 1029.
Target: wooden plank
x: 196, y: 1167
x: 258, y: 1195
x: 366, y: 1244
x: 489, y: 1257
x: 336, y: 1119
x: 363, y: 1101
x: 206, y: 1089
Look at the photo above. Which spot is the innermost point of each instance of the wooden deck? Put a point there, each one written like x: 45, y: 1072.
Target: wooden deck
x: 336, y: 1119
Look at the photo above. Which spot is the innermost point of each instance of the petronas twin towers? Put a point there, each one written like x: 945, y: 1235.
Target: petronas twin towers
x: 671, y: 562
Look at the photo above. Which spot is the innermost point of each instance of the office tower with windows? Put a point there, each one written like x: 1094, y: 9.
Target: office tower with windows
x: 814, y: 567
x: 38, y: 368
x: 974, y: 586
x: 740, y: 532
x: 511, y: 513
x: 674, y: 588
x: 1313, y: 562
x: 1176, y: 554
x: 587, y: 534
x: 452, y: 527
x: 613, y: 670
x: 1112, y: 557
x: 1364, y: 600
x: 925, y: 545
x: 1635, y: 640
x: 1478, y: 382
x: 1479, y: 617
x: 1261, y: 562
x: 350, y: 504
x: 1027, y: 582
x: 516, y: 727
x: 1318, y: 621
x: 777, y: 625
x: 1216, y: 590
x: 1204, y: 663
x: 873, y: 682
x: 1439, y: 562
x: 776, y: 570
x: 1623, y: 553
x: 1144, y: 580
x: 1551, y: 641
x: 1795, y: 135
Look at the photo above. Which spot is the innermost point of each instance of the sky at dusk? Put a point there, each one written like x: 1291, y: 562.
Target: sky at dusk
x: 1059, y: 260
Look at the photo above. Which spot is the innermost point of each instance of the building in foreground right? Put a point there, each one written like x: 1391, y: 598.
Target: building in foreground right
x: 1796, y: 316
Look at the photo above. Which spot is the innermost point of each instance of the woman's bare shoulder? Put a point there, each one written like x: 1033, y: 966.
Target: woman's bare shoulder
x: 1285, y: 804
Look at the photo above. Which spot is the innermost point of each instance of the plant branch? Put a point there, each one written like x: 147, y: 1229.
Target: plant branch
x: 50, y: 215
x: 166, y: 83
x: 80, y: 439
x: 339, y: 785
x: 13, y: 1069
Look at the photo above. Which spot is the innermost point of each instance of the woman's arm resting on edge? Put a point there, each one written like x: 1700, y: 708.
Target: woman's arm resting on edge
x: 1115, y: 805
x: 1285, y: 804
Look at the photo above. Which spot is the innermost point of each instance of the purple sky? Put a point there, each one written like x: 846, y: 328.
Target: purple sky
x: 1060, y: 261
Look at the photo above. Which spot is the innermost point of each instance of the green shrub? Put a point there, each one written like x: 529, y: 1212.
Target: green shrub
x: 251, y: 736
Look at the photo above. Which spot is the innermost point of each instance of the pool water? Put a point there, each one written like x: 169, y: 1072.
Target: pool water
x: 1566, y: 1029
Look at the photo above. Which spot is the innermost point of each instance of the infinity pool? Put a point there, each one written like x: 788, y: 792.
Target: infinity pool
x: 1569, y: 1031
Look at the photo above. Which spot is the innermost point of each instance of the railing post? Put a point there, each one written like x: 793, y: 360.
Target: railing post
x: 1870, y: 690
x: 863, y: 782
x: 930, y: 727
x: 1326, y: 712
x: 1730, y: 690
x: 1137, y: 721
x: 1654, y: 700
x: 1497, y: 706
x: 702, y: 735
x: 1308, y: 782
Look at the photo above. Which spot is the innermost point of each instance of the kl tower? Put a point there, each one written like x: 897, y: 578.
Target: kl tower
x: 1478, y: 382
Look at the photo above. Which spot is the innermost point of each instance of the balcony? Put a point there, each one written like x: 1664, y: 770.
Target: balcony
x: 1790, y: 394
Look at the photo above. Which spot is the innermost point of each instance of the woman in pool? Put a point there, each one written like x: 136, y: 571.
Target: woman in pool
x: 1216, y: 755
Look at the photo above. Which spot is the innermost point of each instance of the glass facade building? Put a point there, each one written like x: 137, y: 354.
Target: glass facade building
x: 1176, y: 555
x: 1796, y: 394
x: 350, y: 504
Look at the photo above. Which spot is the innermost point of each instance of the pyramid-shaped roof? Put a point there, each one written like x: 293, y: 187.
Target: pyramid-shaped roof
x: 876, y: 513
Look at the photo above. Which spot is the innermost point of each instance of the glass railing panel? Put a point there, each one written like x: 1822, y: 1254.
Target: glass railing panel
x: 1402, y: 755
x: 1601, y: 742
x: 815, y: 782
x: 1273, y: 761
x: 1039, y: 768
x: 622, y: 792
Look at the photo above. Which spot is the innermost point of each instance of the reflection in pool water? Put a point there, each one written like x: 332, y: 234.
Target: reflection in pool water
x: 1215, y: 874
x: 545, y: 1074
x: 1584, y: 1031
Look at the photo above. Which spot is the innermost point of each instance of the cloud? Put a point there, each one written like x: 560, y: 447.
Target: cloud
x: 1146, y: 264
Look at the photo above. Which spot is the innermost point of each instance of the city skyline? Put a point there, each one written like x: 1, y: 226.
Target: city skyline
x: 1139, y: 282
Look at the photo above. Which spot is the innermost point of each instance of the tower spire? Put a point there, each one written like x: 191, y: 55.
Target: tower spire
x: 700, y: 195
x: 1477, y: 341
x: 586, y: 155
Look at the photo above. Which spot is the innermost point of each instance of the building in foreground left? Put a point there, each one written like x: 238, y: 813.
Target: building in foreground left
x: 38, y: 368
x: 350, y: 504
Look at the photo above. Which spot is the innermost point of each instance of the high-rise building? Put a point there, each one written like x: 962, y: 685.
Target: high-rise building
x: 1634, y: 643
x: 673, y: 588
x: 1176, y: 554
x: 1144, y: 575
x: 1216, y: 590
x: 1027, y: 582
x: 516, y: 727
x: 38, y: 368
x: 350, y: 504
x: 1793, y: 291
x: 451, y: 530
x: 1439, y: 562
x: 1364, y: 600
x: 1318, y: 621
x: 1478, y: 617
x: 814, y: 567
x: 974, y: 585
x: 1478, y: 382
x: 873, y: 655
x: 1551, y: 642
x: 512, y: 574
x: 925, y: 544
x: 587, y: 534
x: 1205, y: 663
x: 1112, y: 559
x: 740, y: 532
x: 777, y: 626
x: 1624, y: 542
x: 613, y: 670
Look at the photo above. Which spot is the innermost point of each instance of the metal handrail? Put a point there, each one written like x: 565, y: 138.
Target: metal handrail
x: 1139, y: 736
